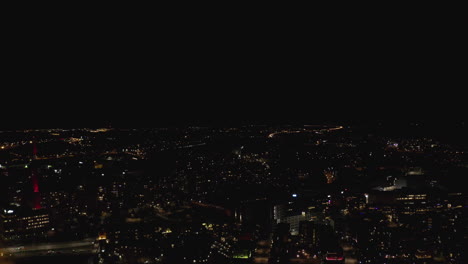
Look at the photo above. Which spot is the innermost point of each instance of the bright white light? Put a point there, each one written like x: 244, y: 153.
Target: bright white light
x: 328, y: 196
x: 294, y: 195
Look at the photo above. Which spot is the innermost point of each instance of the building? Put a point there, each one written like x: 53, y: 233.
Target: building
x: 291, y: 214
x: 308, y: 234
x: 19, y: 223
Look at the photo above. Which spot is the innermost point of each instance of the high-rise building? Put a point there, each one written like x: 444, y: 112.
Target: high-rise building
x: 308, y: 234
x: 20, y: 223
x: 291, y: 214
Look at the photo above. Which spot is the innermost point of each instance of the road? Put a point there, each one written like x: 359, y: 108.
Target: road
x: 86, y: 246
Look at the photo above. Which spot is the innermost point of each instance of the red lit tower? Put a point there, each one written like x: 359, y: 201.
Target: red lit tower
x: 35, y: 180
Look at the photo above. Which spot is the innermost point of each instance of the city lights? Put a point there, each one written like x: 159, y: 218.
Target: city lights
x: 306, y: 194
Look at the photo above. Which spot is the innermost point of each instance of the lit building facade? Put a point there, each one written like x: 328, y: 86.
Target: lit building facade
x: 23, y: 224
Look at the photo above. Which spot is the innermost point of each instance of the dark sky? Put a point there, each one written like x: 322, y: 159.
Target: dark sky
x: 158, y: 73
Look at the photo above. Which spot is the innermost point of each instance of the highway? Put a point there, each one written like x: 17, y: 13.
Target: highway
x: 85, y: 246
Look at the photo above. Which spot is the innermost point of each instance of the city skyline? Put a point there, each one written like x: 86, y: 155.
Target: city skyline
x: 234, y: 139
x: 238, y: 194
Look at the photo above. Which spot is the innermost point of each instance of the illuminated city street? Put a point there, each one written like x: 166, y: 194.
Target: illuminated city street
x: 74, y: 247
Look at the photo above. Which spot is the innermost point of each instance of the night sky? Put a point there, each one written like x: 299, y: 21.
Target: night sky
x: 175, y: 73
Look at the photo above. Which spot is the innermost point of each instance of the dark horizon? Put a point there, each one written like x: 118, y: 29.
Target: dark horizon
x: 123, y: 124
